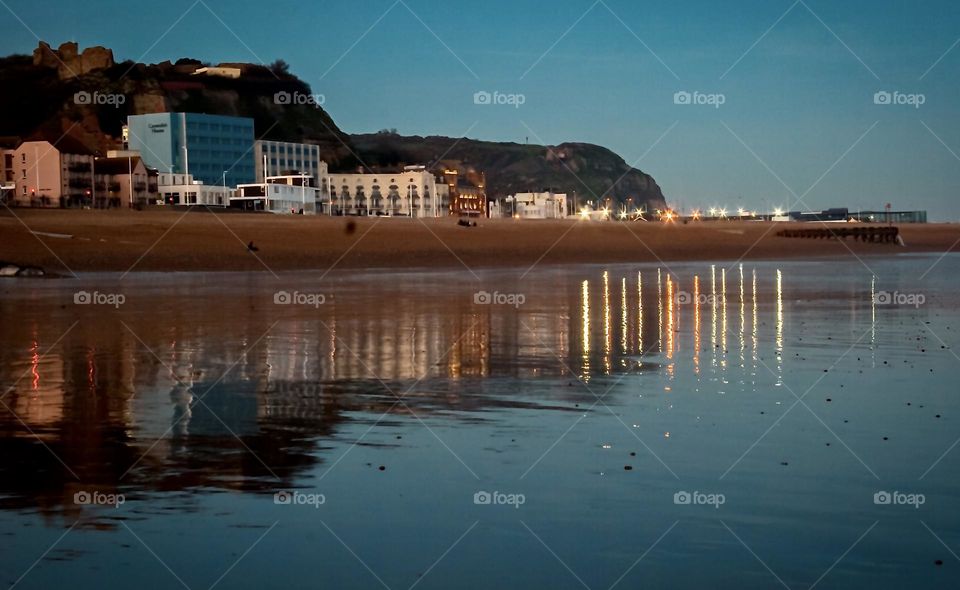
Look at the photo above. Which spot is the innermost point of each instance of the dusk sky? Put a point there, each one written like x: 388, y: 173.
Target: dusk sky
x: 797, y: 81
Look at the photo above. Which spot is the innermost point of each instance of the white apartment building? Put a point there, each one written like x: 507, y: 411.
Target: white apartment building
x: 290, y: 195
x: 279, y: 158
x: 182, y: 189
x: 543, y: 205
x: 411, y: 193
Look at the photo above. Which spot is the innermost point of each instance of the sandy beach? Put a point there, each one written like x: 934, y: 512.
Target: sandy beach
x: 118, y: 241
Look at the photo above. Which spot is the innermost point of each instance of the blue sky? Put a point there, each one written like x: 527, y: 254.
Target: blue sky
x: 797, y: 81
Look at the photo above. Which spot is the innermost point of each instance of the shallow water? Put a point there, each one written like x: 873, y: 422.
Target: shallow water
x: 586, y: 403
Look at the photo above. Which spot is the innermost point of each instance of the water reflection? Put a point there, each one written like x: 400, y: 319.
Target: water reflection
x: 237, y: 393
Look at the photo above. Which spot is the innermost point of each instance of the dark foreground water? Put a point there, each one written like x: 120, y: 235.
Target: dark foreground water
x: 692, y: 426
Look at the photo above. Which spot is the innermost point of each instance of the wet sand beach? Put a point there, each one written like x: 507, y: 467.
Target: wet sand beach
x: 650, y: 425
x: 118, y: 241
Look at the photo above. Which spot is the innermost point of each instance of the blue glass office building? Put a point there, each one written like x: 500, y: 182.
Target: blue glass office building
x: 214, y: 144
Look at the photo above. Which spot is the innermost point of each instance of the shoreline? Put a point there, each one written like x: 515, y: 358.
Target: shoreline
x: 63, y: 242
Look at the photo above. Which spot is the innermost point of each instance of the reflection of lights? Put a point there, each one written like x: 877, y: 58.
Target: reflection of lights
x: 35, y: 365
x: 696, y: 324
x: 669, y: 327
x: 713, y: 311
x: 873, y: 311
x: 607, y: 337
x: 623, y: 315
x: 743, y: 321
x: 779, y: 327
x: 640, y: 315
x: 585, y: 327
x: 723, y: 315
x: 659, y: 312
x: 753, y: 332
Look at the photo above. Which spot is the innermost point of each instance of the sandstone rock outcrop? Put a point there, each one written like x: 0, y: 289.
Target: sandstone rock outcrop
x: 70, y: 62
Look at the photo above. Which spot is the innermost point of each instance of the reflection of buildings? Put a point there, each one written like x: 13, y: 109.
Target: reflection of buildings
x: 235, y: 394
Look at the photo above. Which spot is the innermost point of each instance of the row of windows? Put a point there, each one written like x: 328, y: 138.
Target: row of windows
x: 297, y: 149
x: 218, y: 168
x: 292, y: 162
x: 218, y: 140
x: 217, y: 154
x: 392, y: 181
x: 222, y: 128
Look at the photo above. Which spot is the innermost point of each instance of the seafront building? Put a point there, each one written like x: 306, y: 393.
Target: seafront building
x: 294, y: 194
x: 50, y: 173
x: 467, y: 195
x: 121, y: 181
x: 7, y: 185
x: 411, y: 193
x: 278, y: 158
x: 542, y: 205
x: 183, y: 189
x: 214, y: 149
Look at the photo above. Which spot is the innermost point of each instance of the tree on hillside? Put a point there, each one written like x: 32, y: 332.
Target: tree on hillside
x: 280, y: 68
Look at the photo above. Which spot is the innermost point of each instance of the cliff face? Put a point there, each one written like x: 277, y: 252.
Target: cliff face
x: 87, y: 95
x: 590, y: 171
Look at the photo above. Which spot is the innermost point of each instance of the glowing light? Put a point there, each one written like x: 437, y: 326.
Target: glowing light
x: 696, y: 214
x: 584, y: 214
x: 778, y: 211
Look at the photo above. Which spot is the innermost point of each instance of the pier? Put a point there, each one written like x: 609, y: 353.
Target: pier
x: 879, y: 235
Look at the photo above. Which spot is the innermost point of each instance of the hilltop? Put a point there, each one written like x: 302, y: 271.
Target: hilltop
x: 591, y: 171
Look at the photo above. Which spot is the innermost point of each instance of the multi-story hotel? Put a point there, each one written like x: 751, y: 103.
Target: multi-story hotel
x: 411, y: 193
x: 214, y: 149
x: 278, y: 158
